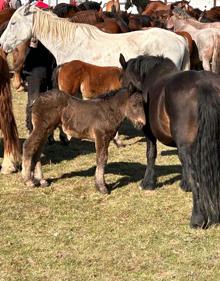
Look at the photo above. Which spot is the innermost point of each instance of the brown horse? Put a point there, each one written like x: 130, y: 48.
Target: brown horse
x: 6, y: 14
x: 8, y: 126
x: 182, y: 110
x: 97, y: 120
x: 88, y: 79
x: 154, y: 6
x: 113, y: 6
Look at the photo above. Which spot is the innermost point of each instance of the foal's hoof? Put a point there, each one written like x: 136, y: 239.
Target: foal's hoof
x: 44, y: 183
x: 103, y: 189
x: 185, y: 186
x: 119, y: 144
x: 30, y: 183
x: 198, y: 221
x: 147, y: 186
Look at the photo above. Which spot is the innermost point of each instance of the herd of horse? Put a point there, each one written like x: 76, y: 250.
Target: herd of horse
x: 148, y: 74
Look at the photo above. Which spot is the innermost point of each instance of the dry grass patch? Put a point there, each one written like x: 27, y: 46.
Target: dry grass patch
x: 69, y: 231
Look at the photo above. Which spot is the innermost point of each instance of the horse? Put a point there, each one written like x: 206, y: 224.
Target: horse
x: 182, y: 110
x: 6, y: 14
x: 70, y: 41
x: 112, y: 6
x: 12, y: 156
x: 205, y: 35
x: 64, y: 10
x: 90, y: 80
x: 97, y: 119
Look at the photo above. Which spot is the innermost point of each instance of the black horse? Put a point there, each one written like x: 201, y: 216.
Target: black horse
x: 183, y: 110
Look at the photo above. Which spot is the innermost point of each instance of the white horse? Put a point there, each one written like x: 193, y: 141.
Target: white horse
x: 75, y: 41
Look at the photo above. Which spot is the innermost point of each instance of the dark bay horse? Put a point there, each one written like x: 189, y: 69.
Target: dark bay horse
x: 8, y: 126
x: 183, y: 110
x: 97, y: 120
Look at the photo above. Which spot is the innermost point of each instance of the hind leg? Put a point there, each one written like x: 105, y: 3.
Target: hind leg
x: 197, y: 219
x: 38, y: 174
x: 31, y: 146
x: 149, y: 180
x: 185, y: 159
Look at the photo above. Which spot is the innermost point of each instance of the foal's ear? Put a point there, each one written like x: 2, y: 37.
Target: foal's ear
x: 122, y: 61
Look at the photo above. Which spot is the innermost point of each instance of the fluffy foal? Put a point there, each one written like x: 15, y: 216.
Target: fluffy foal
x: 97, y: 119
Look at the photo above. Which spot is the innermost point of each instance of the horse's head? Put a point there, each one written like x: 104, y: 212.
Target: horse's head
x: 129, y: 75
x: 19, y: 28
x: 134, y: 110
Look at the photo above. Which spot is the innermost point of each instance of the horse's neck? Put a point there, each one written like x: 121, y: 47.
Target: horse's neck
x: 183, y: 25
x: 118, y: 105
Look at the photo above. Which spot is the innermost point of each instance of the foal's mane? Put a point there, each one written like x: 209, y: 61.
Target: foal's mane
x: 61, y: 29
x: 143, y: 65
x: 110, y: 94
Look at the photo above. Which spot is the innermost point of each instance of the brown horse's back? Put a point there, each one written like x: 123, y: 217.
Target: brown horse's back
x: 90, y: 79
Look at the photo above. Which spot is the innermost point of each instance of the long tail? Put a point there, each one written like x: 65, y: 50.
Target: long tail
x: 7, y: 120
x: 206, y: 153
x: 216, y: 55
x: 55, y: 73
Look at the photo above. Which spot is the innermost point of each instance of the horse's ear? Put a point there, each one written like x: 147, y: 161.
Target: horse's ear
x: 122, y: 61
x: 26, y: 9
x: 131, y: 88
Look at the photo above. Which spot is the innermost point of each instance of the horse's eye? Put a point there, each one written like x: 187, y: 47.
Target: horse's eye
x: 13, y: 23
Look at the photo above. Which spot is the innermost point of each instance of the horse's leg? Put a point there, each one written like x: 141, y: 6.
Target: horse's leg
x: 117, y: 141
x: 63, y: 138
x: 38, y: 174
x: 149, y: 180
x: 185, y: 159
x: 31, y: 146
x: 197, y: 219
x: 101, y: 144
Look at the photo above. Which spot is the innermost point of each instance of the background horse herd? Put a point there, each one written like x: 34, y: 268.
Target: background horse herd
x: 163, y: 91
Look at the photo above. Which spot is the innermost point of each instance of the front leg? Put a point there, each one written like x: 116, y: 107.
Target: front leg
x: 101, y: 144
x: 149, y: 180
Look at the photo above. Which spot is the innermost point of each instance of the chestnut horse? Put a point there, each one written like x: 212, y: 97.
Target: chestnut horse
x: 112, y: 6
x: 97, y: 120
x: 8, y: 126
x: 88, y: 79
x: 182, y: 110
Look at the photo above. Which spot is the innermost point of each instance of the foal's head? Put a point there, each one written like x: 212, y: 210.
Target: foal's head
x: 134, y: 109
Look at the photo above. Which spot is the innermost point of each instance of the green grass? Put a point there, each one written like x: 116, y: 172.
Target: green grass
x: 70, y: 232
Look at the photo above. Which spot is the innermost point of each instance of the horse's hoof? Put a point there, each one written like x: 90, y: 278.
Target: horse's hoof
x: 44, y: 183
x: 185, y: 186
x: 20, y: 89
x: 119, y: 145
x: 8, y: 170
x: 146, y: 186
x: 102, y: 189
x: 29, y: 183
x: 198, y: 221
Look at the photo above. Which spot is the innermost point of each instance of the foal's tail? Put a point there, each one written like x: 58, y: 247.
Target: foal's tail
x: 206, y: 154
x: 216, y: 54
x: 55, y: 73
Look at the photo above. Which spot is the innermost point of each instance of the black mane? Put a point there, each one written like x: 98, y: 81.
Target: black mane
x: 143, y: 65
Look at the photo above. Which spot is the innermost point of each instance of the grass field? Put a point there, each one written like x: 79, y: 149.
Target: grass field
x: 70, y: 232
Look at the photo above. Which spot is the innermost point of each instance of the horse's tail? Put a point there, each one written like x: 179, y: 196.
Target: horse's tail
x: 55, y: 73
x: 7, y: 121
x: 206, y: 154
x: 216, y: 54
x: 186, y: 58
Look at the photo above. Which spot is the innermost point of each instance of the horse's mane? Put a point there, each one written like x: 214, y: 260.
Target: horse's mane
x: 180, y: 12
x: 61, y: 30
x: 142, y: 65
x: 109, y: 94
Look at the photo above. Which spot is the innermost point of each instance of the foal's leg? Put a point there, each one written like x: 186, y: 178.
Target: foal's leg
x: 101, y: 144
x: 149, y: 180
x: 117, y: 141
x: 30, y: 147
x: 38, y: 174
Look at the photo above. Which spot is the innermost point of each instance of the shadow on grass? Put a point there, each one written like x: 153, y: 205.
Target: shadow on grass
x: 169, y: 152
x: 131, y: 172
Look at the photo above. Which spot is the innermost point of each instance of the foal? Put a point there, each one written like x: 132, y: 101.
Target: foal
x: 88, y: 79
x: 97, y: 120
